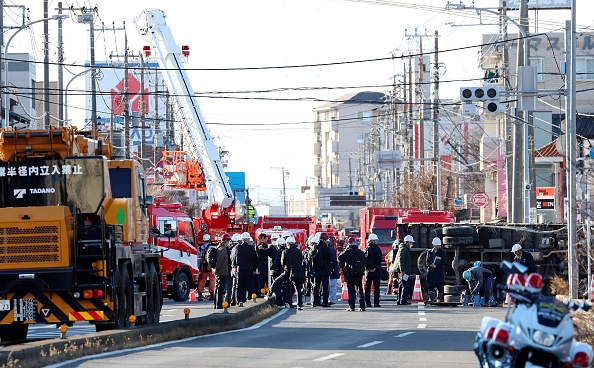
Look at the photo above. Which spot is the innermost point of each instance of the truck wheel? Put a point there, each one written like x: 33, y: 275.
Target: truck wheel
x: 458, y: 240
x: 422, y: 262
x: 124, y: 299
x: 13, y: 332
x: 181, y: 287
x: 453, y: 289
x: 458, y: 231
x: 153, y: 302
x: 452, y: 298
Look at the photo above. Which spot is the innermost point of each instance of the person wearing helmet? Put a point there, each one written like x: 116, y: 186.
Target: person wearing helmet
x: 524, y: 258
x: 320, y: 260
x: 402, y: 268
x: 273, y: 238
x: 222, y: 272
x: 479, y: 283
x: 390, y: 258
x: 373, y: 265
x: 293, y: 275
x: 276, y: 270
x: 436, y: 273
x: 263, y: 251
x: 286, y: 234
x: 206, y: 274
x: 499, y: 279
x: 354, y: 268
x: 334, y: 276
x: 244, y: 262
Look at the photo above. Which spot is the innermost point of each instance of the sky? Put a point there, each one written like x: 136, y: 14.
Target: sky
x: 321, y: 50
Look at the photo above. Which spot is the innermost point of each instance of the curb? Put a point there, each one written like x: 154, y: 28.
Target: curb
x: 41, y: 353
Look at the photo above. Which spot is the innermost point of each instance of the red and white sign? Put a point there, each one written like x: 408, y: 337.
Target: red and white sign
x: 480, y: 199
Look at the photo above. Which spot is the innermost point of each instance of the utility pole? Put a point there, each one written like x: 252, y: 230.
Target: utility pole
x: 125, y: 98
x: 421, y: 101
x: 142, y: 114
x: 436, y: 124
x: 156, y: 131
x: 60, y: 70
x: 46, y: 97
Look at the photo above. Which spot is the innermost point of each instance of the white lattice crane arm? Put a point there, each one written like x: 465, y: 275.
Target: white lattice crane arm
x: 152, y: 27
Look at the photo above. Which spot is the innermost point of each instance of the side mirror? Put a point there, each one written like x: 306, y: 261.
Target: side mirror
x: 393, y: 234
x: 154, y: 232
x: 148, y: 200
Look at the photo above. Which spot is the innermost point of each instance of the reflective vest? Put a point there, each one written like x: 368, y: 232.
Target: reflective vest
x: 251, y: 211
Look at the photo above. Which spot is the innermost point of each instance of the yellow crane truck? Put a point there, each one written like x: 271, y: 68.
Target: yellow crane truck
x: 73, y: 234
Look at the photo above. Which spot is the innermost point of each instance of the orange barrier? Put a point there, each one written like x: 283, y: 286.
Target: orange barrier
x: 417, y: 293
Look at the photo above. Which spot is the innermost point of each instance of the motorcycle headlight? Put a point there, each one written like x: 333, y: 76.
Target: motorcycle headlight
x: 543, y: 338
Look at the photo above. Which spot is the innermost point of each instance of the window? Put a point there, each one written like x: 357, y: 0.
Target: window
x: 538, y: 62
x: 585, y: 68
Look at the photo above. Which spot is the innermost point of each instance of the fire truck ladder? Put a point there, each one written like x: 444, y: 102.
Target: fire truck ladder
x: 194, y: 133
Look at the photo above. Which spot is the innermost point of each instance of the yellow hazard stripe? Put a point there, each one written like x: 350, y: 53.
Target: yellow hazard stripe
x: 86, y: 316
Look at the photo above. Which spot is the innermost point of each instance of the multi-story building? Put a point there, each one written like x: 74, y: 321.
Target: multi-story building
x: 21, y: 75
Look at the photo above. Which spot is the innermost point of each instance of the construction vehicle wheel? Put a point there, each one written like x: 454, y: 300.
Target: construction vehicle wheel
x: 13, y: 332
x: 422, y: 262
x: 181, y: 287
x: 458, y: 240
x: 153, y: 302
x: 453, y: 289
x: 124, y: 299
x: 458, y: 231
x: 452, y: 298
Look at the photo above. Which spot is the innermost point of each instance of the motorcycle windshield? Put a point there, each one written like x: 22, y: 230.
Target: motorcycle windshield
x: 550, y: 312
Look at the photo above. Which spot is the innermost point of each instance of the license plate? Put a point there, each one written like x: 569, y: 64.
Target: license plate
x: 4, y: 305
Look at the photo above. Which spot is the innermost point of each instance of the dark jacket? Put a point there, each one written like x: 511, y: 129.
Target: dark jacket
x: 276, y: 268
x: 291, y: 258
x: 499, y: 276
x: 402, y: 263
x: 346, y: 257
x: 479, y: 276
x: 335, y: 272
x: 326, y: 270
x: 527, y: 260
x: 223, y: 265
x: 375, y: 253
x: 262, y: 257
x: 244, y: 259
x: 437, y: 256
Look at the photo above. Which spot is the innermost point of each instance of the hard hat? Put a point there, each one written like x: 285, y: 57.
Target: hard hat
x: 353, y: 241
x: 409, y: 238
x: 281, y: 242
x: 315, y: 240
x: 286, y: 234
x: 372, y: 237
x: 290, y: 240
x: 467, y: 275
x: 436, y: 241
x: 478, y: 264
x: 395, y: 243
x: 310, y: 239
x: 226, y: 237
x: 323, y: 236
x: 235, y: 237
x: 516, y: 248
x: 206, y: 237
x: 246, y: 236
x: 274, y: 236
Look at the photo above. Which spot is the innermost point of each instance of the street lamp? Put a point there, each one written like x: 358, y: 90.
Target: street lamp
x: 66, y: 91
x: 25, y: 26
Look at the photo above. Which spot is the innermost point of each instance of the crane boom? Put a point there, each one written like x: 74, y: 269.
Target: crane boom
x: 197, y: 140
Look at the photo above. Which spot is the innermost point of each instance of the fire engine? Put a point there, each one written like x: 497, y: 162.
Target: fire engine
x: 74, y: 227
x: 177, y: 246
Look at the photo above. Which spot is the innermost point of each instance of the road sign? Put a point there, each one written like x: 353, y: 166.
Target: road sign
x: 458, y: 201
x: 480, y: 199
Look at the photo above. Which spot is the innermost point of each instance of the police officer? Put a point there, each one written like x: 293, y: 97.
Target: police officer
x: 436, y: 273
x: 373, y: 264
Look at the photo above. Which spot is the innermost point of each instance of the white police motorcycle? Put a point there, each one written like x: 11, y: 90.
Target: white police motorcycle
x: 537, y: 331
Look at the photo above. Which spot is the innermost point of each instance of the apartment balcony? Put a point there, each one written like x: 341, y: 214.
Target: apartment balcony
x: 318, y: 171
x: 317, y: 149
x: 317, y: 127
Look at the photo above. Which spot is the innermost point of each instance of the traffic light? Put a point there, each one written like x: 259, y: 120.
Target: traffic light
x: 490, y: 95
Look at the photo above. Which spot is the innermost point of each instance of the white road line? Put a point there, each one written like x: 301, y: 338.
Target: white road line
x: 422, y: 319
x: 422, y: 313
x: 369, y: 344
x: 422, y: 325
x: 327, y: 357
x: 404, y: 334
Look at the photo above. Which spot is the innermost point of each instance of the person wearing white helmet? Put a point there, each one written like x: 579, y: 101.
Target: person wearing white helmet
x: 389, y: 258
x: 286, y: 234
x: 524, y: 258
x: 262, y: 250
x: 205, y: 270
x: 273, y: 238
x: 244, y: 262
x: 276, y: 270
x: 402, y: 267
x: 291, y: 262
x: 436, y: 260
x: 373, y: 267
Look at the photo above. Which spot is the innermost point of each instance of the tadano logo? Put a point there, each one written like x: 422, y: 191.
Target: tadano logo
x: 18, y: 193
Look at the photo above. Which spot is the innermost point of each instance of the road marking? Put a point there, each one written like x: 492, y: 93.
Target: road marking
x: 369, y: 344
x: 422, y: 319
x: 404, y: 334
x: 422, y: 325
x: 327, y: 357
x: 422, y: 313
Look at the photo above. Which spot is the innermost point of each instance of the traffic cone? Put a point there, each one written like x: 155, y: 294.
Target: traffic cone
x: 345, y: 292
x: 507, y: 299
x: 417, y: 293
x: 192, y: 295
x: 592, y: 289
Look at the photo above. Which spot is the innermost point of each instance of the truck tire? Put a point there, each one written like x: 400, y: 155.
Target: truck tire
x: 452, y: 298
x: 124, y: 303
x: 181, y: 287
x: 458, y: 231
x: 13, y: 332
x: 153, y: 297
x: 458, y: 240
x: 453, y: 289
x: 422, y: 262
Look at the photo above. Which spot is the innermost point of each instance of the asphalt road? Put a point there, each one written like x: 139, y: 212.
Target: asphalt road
x: 391, y: 336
